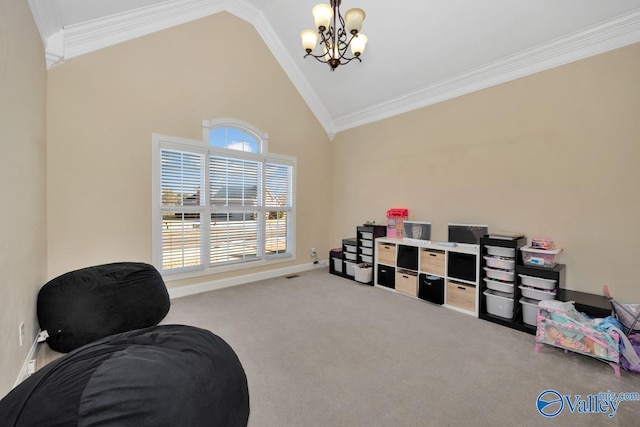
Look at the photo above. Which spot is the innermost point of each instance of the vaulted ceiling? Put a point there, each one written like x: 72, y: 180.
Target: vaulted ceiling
x: 419, y: 52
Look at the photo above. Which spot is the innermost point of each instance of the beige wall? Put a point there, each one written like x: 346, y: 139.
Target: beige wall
x: 104, y: 106
x: 22, y: 173
x: 556, y: 155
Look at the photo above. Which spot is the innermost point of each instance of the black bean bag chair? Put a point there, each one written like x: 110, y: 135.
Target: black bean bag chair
x: 170, y: 375
x: 82, y: 306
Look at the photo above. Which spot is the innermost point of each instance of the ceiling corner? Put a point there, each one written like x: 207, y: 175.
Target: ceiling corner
x: 46, y: 14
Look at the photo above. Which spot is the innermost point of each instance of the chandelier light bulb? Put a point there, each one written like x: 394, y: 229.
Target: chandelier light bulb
x: 309, y: 40
x: 358, y: 43
x: 354, y: 18
x: 322, y: 14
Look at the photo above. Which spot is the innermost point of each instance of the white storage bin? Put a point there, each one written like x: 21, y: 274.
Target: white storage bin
x: 540, y: 257
x: 366, y: 243
x: 529, y: 311
x: 500, y: 262
x: 363, y: 273
x: 367, y: 251
x: 350, y: 248
x: 350, y: 256
x: 537, y: 282
x: 337, y: 265
x: 499, y: 251
x: 498, y: 285
x: 499, y: 304
x: 506, y: 275
x: 366, y: 258
x: 538, y: 294
x: 367, y: 235
x: 349, y: 268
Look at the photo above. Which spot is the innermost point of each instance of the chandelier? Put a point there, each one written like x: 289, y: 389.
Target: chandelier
x: 336, y: 35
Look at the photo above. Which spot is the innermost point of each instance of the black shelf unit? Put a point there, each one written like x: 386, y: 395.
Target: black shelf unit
x: 597, y: 306
x: 515, y: 322
x: 556, y: 273
x: 366, y: 235
x: 346, y: 258
x: 336, y: 255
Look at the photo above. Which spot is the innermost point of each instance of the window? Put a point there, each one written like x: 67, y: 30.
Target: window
x: 222, y: 203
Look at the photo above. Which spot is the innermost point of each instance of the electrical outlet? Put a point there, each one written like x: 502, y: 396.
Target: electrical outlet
x: 21, y: 333
x: 313, y: 251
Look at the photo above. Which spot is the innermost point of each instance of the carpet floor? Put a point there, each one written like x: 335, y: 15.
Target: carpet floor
x: 320, y: 350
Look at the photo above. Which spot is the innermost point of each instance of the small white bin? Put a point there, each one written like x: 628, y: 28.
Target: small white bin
x: 500, y: 262
x: 337, y: 265
x: 498, y: 285
x: 363, y: 272
x: 367, y: 235
x: 350, y: 256
x: 539, y: 294
x: 506, y: 275
x: 366, y: 243
x: 540, y: 257
x: 537, y: 282
x: 367, y: 251
x: 499, y: 304
x: 500, y: 251
x: 529, y: 311
x: 350, y: 248
x: 349, y: 267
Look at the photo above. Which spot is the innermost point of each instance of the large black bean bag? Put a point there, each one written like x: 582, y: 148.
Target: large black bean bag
x: 170, y: 375
x: 82, y: 306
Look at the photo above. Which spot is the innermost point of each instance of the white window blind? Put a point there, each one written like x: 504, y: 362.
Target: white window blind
x: 181, y: 181
x: 221, y: 207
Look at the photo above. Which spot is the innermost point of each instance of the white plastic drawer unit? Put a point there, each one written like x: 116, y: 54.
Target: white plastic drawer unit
x: 366, y: 243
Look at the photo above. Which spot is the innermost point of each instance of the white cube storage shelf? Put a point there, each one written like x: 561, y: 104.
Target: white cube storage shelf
x: 433, y: 260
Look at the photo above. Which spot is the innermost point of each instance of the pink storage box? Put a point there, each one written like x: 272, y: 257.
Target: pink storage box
x: 395, y: 219
x: 539, y: 243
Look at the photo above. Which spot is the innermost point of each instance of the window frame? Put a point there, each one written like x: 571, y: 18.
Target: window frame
x: 202, y: 147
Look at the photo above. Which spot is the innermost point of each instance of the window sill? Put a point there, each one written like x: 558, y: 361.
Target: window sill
x: 278, y: 259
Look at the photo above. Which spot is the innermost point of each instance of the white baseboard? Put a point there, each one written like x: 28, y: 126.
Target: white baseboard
x: 212, y: 285
x: 31, y: 355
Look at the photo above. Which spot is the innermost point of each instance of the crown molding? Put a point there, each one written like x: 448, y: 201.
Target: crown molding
x: 608, y: 35
x: 46, y: 14
x: 54, y: 49
x: 100, y: 33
